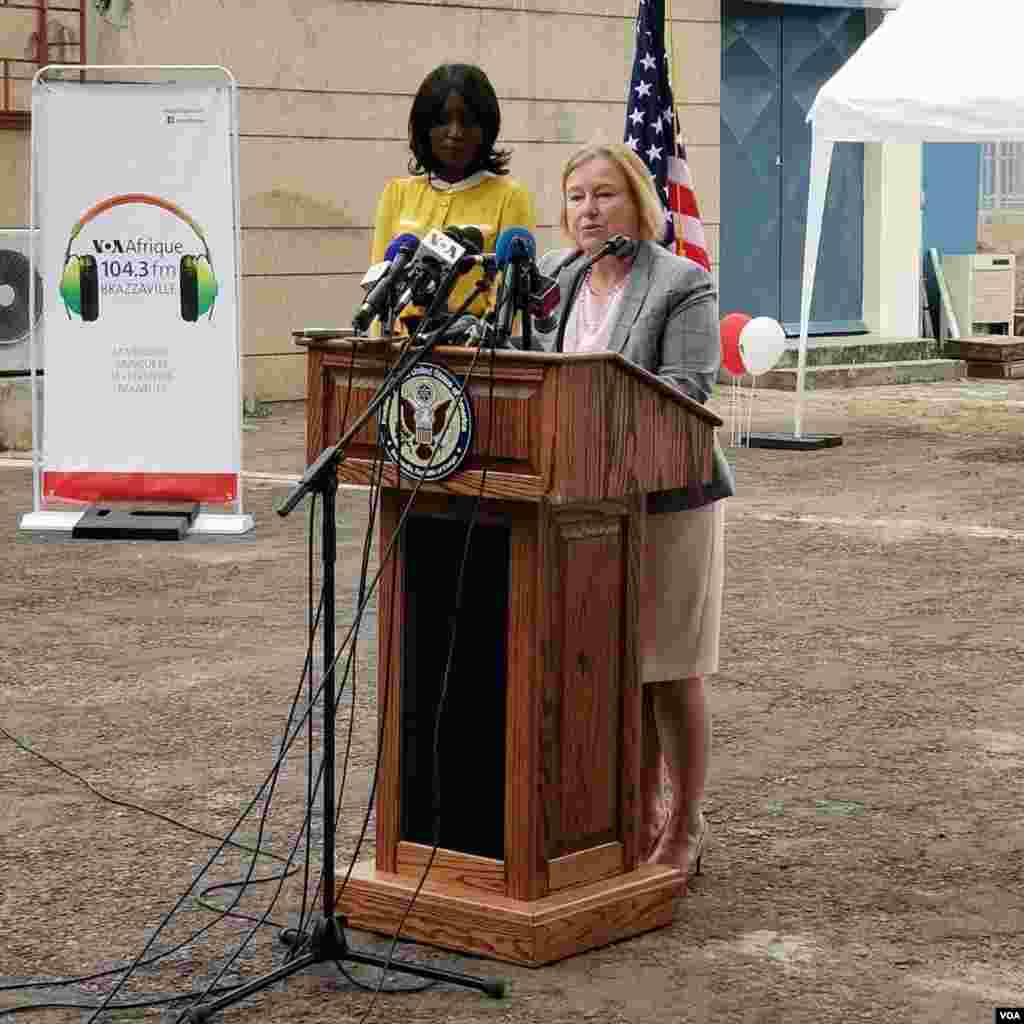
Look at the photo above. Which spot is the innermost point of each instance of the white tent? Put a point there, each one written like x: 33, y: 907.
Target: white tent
x: 933, y: 71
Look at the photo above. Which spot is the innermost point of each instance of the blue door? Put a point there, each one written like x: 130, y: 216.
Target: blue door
x: 750, y: 271
x: 774, y: 60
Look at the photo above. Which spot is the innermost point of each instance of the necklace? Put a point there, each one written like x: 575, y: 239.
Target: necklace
x: 611, y: 291
x: 592, y: 311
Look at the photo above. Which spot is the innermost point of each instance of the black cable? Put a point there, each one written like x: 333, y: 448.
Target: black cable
x: 301, y: 926
x: 27, y: 748
x: 220, y: 911
x: 393, y: 375
x: 474, y: 517
x: 327, y: 670
x: 353, y: 629
x: 224, y: 841
x: 271, y: 780
x: 142, y: 1004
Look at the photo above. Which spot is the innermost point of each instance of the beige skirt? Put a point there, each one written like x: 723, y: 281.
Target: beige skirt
x: 681, y: 602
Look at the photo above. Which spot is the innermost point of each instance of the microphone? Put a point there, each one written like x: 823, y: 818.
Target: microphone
x: 614, y: 246
x: 439, y: 253
x: 374, y: 273
x: 543, y: 300
x: 514, y: 248
x: 472, y: 238
x: 400, y: 251
x: 514, y: 244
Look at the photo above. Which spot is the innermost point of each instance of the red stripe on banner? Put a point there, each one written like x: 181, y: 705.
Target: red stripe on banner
x: 214, y: 488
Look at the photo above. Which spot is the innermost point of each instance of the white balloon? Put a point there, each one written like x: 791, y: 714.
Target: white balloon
x: 762, y: 342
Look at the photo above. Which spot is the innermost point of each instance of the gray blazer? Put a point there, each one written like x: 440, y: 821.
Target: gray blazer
x: 668, y: 324
x: 668, y: 319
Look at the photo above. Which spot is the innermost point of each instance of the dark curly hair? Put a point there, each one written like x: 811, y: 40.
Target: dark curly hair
x: 479, y: 96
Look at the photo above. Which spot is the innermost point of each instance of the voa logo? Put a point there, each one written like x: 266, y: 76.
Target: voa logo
x: 137, y: 246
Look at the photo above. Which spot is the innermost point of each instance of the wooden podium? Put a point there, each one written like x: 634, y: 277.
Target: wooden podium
x: 539, y: 749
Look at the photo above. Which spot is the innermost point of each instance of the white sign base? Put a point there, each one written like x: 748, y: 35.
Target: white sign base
x: 206, y: 523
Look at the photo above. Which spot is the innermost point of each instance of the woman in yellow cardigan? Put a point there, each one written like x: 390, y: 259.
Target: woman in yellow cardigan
x: 457, y: 177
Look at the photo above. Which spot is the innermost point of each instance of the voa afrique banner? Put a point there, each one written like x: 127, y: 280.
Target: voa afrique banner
x: 135, y: 203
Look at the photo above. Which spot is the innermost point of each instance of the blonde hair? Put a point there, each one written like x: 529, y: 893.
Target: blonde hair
x: 643, y: 191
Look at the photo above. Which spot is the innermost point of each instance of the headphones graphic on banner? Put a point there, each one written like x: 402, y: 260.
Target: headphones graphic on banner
x: 80, y: 279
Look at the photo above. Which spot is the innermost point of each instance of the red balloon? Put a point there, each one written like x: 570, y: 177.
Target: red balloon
x: 730, y: 328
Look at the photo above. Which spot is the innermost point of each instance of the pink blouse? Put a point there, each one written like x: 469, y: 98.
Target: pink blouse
x: 587, y: 331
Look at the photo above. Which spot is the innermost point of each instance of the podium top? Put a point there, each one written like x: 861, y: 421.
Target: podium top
x: 345, y: 340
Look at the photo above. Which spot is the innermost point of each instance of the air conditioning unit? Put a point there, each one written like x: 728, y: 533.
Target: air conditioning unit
x: 16, y: 302
x: 981, y: 289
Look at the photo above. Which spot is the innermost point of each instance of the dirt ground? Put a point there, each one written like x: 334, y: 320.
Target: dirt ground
x: 866, y: 860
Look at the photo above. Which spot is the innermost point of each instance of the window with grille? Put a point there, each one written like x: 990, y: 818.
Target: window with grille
x: 1002, y: 176
x: 34, y: 33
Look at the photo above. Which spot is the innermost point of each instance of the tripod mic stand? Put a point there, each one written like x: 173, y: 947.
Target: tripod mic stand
x: 327, y: 942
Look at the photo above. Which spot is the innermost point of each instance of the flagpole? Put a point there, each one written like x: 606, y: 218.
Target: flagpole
x: 673, y: 81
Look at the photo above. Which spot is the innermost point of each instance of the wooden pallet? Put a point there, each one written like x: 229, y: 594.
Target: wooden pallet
x: 1001, y: 358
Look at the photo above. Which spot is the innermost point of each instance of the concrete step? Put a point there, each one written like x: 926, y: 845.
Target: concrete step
x: 857, y: 375
x: 863, y: 349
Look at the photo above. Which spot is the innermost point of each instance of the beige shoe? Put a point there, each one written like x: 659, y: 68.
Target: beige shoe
x: 695, y: 847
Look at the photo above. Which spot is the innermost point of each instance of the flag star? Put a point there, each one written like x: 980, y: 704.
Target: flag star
x: 658, y: 126
x: 636, y: 117
x: 667, y: 114
x: 632, y: 142
x: 648, y: 62
x: 643, y: 89
x: 654, y: 153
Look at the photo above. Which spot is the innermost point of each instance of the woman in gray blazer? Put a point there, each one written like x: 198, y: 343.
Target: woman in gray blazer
x: 661, y: 312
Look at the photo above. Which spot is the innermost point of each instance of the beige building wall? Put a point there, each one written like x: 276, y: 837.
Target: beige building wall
x: 325, y: 92
x: 14, y: 177
x: 19, y: 28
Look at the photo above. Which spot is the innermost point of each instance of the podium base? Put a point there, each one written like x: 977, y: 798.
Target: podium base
x: 530, y: 933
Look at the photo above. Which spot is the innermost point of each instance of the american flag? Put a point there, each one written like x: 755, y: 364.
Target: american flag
x: 652, y: 133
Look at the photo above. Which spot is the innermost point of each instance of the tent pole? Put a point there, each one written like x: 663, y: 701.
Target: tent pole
x: 821, y: 160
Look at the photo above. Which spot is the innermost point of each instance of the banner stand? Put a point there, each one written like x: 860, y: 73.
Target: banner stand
x: 135, y: 233
x: 65, y: 521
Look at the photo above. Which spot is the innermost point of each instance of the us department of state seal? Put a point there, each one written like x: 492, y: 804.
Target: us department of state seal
x: 426, y: 428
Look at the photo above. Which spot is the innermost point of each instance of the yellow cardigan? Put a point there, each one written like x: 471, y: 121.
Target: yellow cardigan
x: 414, y: 205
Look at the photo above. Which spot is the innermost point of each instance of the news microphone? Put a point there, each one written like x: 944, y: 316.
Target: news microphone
x: 514, y: 248
x: 514, y: 245
x: 399, y: 253
x: 472, y: 238
x: 436, y: 260
x: 374, y: 273
x: 543, y: 300
x: 614, y: 246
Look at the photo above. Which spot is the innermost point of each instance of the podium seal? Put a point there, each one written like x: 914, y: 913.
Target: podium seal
x: 426, y: 428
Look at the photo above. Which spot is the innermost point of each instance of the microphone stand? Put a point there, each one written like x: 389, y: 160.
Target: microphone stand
x: 326, y: 942
x: 523, y: 304
x: 515, y: 298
